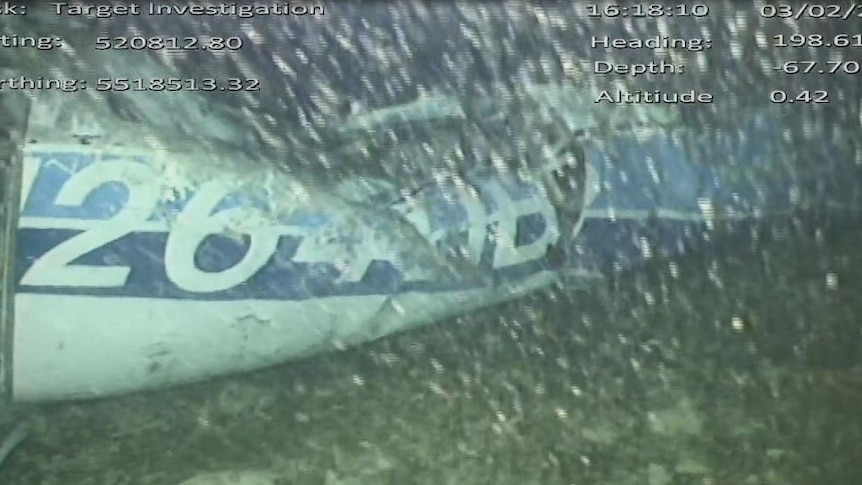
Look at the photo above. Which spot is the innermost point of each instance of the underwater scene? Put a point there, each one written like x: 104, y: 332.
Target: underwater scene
x: 452, y: 242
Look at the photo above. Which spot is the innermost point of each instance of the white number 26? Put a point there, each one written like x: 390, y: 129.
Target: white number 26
x: 196, y: 222
x: 54, y: 268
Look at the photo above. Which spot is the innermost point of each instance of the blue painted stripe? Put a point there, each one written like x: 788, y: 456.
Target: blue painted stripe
x: 603, y: 244
x: 280, y: 279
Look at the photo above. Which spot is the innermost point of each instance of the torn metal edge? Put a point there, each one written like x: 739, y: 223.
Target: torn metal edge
x: 14, y: 115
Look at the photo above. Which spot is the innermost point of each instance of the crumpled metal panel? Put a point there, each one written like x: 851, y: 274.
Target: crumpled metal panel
x: 14, y: 109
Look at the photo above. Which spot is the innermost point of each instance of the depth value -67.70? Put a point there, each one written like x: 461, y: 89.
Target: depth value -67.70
x: 177, y: 84
x: 814, y: 67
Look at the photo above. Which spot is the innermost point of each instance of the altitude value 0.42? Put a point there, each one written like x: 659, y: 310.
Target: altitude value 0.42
x: 803, y: 97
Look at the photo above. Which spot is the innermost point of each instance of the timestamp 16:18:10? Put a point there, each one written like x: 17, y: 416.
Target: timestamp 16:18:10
x: 653, y: 10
